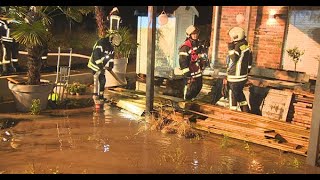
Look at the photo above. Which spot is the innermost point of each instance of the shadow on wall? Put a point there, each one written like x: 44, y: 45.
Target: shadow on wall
x: 256, y: 98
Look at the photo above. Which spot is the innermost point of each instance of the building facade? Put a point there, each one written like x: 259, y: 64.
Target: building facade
x: 271, y: 31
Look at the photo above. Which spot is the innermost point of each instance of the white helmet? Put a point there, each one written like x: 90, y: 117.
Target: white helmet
x: 236, y: 33
x: 191, y: 29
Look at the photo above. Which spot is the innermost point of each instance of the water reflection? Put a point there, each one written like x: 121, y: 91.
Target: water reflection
x: 107, y: 114
x: 226, y: 164
x: 102, y: 142
x: 255, y: 167
x: 195, y: 162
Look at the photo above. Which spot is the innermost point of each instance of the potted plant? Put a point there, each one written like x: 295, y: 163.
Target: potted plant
x: 32, y: 31
x: 77, y: 88
x: 295, y: 55
x: 121, y: 55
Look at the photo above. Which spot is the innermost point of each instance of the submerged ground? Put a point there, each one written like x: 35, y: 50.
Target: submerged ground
x: 83, y: 141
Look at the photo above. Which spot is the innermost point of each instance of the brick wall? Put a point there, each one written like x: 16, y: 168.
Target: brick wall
x: 266, y: 40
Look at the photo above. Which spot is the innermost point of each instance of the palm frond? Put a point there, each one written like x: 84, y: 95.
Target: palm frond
x: 30, y: 34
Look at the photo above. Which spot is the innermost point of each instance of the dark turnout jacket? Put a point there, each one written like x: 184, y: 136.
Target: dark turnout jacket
x: 240, y: 62
x: 103, y: 52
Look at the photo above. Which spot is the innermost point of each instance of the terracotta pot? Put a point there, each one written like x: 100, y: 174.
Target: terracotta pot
x: 24, y: 94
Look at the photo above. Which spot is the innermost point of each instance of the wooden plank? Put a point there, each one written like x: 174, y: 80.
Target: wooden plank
x: 264, y: 142
x: 135, y: 108
x: 280, y: 74
x: 302, y: 104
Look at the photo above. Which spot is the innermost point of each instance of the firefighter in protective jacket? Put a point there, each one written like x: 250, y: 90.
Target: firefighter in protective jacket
x: 192, y: 62
x: 10, y: 47
x: 239, y: 65
x: 102, y: 57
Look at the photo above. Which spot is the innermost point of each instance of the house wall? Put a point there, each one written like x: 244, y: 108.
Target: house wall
x: 303, y: 33
x: 266, y: 39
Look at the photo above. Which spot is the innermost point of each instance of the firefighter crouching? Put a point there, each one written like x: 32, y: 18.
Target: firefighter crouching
x: 102, y: 57
x: 238, y: 68
x: 192, y: 62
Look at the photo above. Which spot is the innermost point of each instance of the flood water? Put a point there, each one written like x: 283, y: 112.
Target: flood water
x: 117, y: 142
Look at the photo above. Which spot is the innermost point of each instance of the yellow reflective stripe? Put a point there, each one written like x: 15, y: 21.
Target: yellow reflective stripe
x: 243, y: 103
x: 197, y: 75
x: 93, y: 66
x: 185, y: 92
x: 183, y: 54
x: 238, y: 67
x: 185, y: 70
x: 99, y: 61
x: 237, y: 77
x: 99, y: 47
x: 230, y: 98
x: 236, y: 80
x: 231, y: 52
x: 243, y: 47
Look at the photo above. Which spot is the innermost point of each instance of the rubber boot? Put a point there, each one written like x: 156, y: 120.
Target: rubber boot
x: 4, y: 70
x: 245, y: 108
x: 17, y: 67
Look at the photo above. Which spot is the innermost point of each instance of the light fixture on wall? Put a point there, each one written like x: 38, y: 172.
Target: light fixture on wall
x: 114, y: 19
x: 163, y: 18
x: 240, y: 18
x: 272, y: 17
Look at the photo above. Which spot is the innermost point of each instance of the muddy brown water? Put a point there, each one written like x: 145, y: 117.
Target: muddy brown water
x: 116, y: 142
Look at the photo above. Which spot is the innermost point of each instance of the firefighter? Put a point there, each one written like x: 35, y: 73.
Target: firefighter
x: 192, y: 63
x: 10, y: 48
x: 239, y: 65
x: 101, y: 59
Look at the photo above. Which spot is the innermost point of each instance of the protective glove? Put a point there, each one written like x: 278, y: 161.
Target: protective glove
x: 187, y: 74
x: 110, y: 65
x: 231, y: 46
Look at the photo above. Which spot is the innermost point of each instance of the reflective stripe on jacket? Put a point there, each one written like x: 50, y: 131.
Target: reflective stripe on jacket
x: 239, y: 62
x: 102, y: 52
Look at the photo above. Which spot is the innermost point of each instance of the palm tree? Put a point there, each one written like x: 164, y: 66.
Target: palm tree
x: 32, y: 30
x: 100, y: 15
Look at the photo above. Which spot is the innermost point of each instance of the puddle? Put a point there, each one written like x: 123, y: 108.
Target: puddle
x: 117, y: 142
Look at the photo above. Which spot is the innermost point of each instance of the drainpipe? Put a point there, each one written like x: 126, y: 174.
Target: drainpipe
x: 214, y: 47
x: 248, y: 15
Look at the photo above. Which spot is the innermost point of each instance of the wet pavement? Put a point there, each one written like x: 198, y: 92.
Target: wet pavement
x: 81, y: 141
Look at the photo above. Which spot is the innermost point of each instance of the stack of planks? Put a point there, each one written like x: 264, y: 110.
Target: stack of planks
x: 252, y: 128
x: 302, y: 106
x: 219, y: 120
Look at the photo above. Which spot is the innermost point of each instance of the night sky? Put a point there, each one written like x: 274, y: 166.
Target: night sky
x: 128, y: 18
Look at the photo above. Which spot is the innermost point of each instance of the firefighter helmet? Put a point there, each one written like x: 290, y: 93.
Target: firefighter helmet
x: 236, y: 33
x: 192, y: 29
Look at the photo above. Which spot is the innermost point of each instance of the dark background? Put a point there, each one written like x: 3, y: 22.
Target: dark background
x: 129, y: 18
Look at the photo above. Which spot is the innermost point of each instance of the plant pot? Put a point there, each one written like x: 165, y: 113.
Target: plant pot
x: 120, y: 69
x: 24, y: 94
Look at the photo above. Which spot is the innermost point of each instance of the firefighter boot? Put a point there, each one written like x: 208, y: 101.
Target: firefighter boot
x: 101, y: 97
x: 4, y: 70
x: 245, y: 108
x: 12, y: 69
x: 17, y: 67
